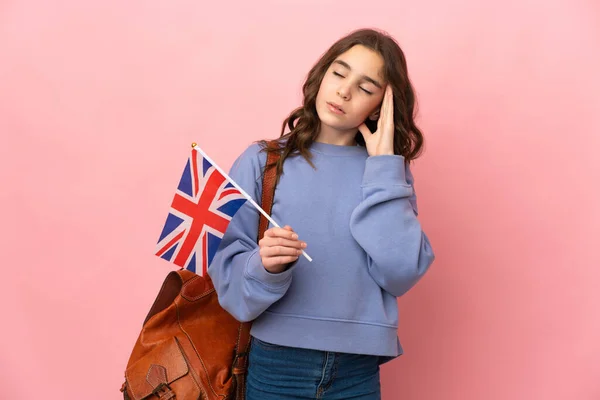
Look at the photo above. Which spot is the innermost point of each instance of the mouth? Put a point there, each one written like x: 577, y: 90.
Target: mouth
x: 335, y: 108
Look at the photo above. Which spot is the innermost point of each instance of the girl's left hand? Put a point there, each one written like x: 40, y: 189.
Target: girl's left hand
x: 381, y: 142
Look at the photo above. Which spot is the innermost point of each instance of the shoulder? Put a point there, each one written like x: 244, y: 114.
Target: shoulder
x: 256, y: 153
x: 410, y: 179
x: 252, y: 152
x: 250, y: 162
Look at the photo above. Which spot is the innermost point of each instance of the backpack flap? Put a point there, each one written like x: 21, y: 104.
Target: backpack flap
x: 160, y: 367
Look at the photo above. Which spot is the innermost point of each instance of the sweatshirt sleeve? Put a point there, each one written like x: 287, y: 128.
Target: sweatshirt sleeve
x: 385, y: 225
x: 244, y: 287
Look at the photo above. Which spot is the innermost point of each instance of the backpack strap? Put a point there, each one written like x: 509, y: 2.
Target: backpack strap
x: 268, y: 188
x: 240, y: 362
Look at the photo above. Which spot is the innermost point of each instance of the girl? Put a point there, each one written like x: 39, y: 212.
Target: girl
x: 321, y: 329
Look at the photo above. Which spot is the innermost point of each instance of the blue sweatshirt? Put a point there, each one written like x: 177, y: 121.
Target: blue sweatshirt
x: 358, y: 216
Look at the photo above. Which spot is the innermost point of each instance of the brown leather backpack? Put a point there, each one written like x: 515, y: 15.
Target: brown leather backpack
x: 190, y: 347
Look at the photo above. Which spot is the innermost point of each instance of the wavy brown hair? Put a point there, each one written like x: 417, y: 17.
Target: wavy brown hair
x: 304, y: 123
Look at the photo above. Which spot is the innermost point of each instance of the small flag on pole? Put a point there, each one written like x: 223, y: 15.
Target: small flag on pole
x: 205, y: 202
x: 203, y: 205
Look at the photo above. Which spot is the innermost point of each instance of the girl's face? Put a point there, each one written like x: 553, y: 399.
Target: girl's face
x: 351, y: 90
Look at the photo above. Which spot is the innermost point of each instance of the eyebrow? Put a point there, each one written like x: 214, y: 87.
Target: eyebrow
x: 365, y: 77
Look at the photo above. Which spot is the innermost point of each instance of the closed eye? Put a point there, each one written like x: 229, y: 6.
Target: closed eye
x: 342, y: 76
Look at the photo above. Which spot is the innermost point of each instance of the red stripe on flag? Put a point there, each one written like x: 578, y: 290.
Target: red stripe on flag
x: 200, y: 215
x: 168, y: 245
x: 228, y: 192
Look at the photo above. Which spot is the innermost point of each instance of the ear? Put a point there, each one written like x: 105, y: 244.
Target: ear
x: 374, y: 116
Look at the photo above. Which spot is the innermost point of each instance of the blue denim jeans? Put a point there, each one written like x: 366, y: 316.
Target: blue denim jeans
x: 280, y: 373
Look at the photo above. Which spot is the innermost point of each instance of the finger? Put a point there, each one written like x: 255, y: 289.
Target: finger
x: 390, y: 105
x: 384, y: 105
x: 282, y: 260
x: 279, y: 241
x: 286, y: 259
x: 388, y: 131
x: 277, y: 251
x: 281, y: 232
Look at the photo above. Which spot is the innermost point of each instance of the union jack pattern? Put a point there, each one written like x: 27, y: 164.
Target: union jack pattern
x: 203, y: 205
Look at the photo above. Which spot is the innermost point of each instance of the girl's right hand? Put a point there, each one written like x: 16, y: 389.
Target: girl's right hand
x: 279, y: 247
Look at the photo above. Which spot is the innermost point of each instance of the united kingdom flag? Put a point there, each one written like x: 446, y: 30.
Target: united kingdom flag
x: 204, y: 204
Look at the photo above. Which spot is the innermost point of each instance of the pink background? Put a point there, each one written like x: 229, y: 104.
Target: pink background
x: 100, y: 100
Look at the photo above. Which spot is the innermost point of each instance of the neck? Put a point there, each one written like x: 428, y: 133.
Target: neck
x: 340, y: 138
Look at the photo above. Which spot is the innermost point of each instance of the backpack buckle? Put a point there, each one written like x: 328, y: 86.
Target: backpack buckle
x: 163, y: 392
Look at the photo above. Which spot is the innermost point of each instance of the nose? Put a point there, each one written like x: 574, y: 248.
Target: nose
x: 344, y: 92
